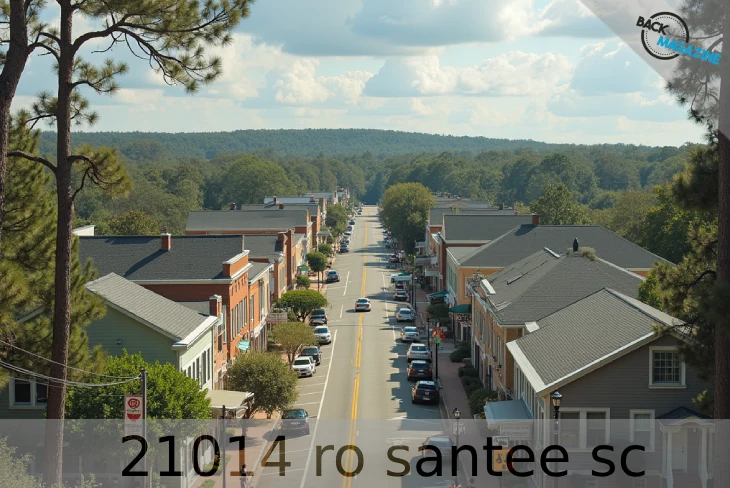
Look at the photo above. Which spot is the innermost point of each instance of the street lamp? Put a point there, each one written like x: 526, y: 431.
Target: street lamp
x: 555, y: 399
x: 457, y: 416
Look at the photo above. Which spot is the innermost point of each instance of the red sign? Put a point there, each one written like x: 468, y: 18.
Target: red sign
x: 133, y: 415
x: 438, y: 333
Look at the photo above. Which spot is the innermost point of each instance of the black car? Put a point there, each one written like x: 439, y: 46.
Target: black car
x: 425, y: 391
x: 295, y: 420
x: 419, y: 369
x: 313, y: 351
x: 344, y: 248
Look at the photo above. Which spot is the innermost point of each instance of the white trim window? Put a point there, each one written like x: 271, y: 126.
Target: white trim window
x: 584, y: 429
x: 642, y: 430
x: 27, y: 393
x: 666, y: 368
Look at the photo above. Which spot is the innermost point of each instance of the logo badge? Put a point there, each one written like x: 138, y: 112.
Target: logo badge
x: 664, y: 25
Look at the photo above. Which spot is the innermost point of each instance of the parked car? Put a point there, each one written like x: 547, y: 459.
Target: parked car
x: 425, y: 391
x: 345, y: 248
x: 409, y: 334
x: 350, y: 228
x: 441, y: 442
x: 304, y: 366
x: 348, y: 233
x: 405, y: 315
x: 399, y: 285
x: 418, y: 351
x: 296, y: 419
x: 420, y: 370
x: 400, y: 296
x: 362, y: 305
x: 318, y: 317
x: 394, y: 259
x: 312, y: 352
x: 322, y: 333
x: 352, y: 222
x: 333, y: 276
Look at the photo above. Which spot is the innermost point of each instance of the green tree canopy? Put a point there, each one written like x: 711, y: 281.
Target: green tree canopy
x: 268, y: 377
x: 325, y: 249
x: 405, y: 211
x: 557, y: 206
x: 336, y: 219
x: 249, y: 179
x: 292, y: 336
x: 317, y: 262
x: 303, y: 281
x: 132, y: 223
x: 302, y: 302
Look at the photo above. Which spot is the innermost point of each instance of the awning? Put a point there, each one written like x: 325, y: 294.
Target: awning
x: 463, y: 308
x: 233, y: 400
x: 244, y: 345
x: 302, y: 268
x: 324, y: 233
x: 506, y: 412
x: 442, y: 293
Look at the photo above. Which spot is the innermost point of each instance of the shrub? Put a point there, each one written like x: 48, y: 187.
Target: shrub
x: 468, y: 371
x: 458, y: 356
x: 478, y: 398
x: 471, y: 384
x: 303, y: 281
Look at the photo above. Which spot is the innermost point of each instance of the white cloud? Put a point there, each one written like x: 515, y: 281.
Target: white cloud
x: 611, y: 68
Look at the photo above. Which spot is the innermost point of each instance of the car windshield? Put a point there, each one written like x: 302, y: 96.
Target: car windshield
x: 439, y: 442
x: 362, y: 300
x: 308, y: 351
x: 411, y: 329
x: 321, y: 330
x: 420, y: 366
x: 302, y: 362
x: 318, y: 314
x: 332, y: 273
x: 294, y: 414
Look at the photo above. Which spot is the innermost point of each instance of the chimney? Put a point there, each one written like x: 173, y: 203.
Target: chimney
x: 215, y: 305
x: 535, y: 219
x: 311, y: 199
x: 281, y: 206
x: 233, y: 206
x: 275, y: 201
x: 282, y: 238
x: 166, y: 241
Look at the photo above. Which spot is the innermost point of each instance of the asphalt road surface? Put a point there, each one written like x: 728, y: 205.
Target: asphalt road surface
x: 360, y: 394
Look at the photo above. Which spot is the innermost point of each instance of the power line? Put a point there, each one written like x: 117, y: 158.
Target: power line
x: 27, y: 372
x: 66, y: 366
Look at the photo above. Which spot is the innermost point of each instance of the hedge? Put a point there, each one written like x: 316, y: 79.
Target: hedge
x: 478, y: 398
x: 468, y: 371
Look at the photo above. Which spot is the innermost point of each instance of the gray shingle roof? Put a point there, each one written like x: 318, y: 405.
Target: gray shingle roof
x: 436, y: 214
x: 526, y: 239
x: 546, y: 283
x: 168, y: 316
x: 460, y: 202
x: 597, y: 326
x: 290, y: 201
x: 141, y: 257
x: 202, y: 307
x: 460, y: 251
x: 258, y: 219
x: 480, y: 227
x: 256, y: 268
x: 263, y: 246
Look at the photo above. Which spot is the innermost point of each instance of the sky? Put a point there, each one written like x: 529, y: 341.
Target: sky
x: 516, y: 69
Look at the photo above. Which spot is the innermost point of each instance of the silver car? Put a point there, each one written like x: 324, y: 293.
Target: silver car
x: 304, y: 366
x: 418, y: 351
x: 409, y: 334
x: 322, y: 333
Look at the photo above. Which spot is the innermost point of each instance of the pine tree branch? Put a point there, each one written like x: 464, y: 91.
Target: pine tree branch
x: 49, y: 49
x: 708, y: 272
x: 32, y: 157
x: 83, y: 178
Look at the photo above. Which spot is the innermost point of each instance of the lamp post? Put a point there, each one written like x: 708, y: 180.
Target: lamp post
x: 457, y: 416
x: 555, y: 399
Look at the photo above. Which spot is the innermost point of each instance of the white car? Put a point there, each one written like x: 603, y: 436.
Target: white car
x: 362, y: 305
x: 405, y: 315
x: 322, y: 333
x: 418, y: 351
x: 409, y: 334
x: 304, y: 366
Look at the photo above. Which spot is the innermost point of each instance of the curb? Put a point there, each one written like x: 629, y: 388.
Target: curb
x: 464, y: 469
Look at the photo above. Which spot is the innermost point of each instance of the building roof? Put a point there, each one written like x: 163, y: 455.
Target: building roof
x: 435, y: 215
x: 681, y: 413
x: 299, y: 237
x: 526, y: 239
x: 460, y: 251
x: 171, y: 318
x: 271, y: 206
x: 444, y: 201
x: 329, y: 195
x: 480, y: 227
x: 258, y: 219
x: 545, y: 282
x: 584, y: 336
x: 256, y: 269
x: 269, y: 201
x: 140, y: 258
x: 263, y: 245
x: 202, y: 307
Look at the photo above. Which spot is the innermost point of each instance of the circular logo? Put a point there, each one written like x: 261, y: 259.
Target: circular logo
x: 666, y: 25
x: 134, y: 403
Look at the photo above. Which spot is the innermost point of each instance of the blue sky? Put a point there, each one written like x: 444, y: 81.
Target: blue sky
x: 517, y: 69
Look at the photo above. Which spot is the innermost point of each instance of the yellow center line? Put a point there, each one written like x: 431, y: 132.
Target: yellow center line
x: 350, y: 456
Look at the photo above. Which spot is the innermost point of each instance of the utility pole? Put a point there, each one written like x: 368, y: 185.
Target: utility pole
x: 148, y: 479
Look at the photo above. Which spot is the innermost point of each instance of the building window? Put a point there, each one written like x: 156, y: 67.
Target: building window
x: 595, y: 429
x: 28, y: 393
x: 570, y: 430
x: 253, y: 301
x: 642, y: 428
x: 667, y: 367
x: 584, y: 429
x: 199, y: 375
x: 225, y: 324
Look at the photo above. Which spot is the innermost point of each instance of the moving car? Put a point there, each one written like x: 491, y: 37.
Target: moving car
x: 418, y: 351
x: 318, y: 317
x: 304, y: 366
x: 362, y: 305
x: 322, y: 333
x: 394, y: 259
x: 400, y: 296
x: 333, y: 276
x: 312, y: 352
x: 441, y: 442
x: 405, y: 315
x: 420, y: 370
x: 295, y: 420
x: 409, y: 334
x: 425, y: 391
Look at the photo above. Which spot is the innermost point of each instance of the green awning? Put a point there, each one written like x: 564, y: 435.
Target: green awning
x: 439, y: 294
x: 463, y: 308
x: 302, y: 268
x: 244, y: 345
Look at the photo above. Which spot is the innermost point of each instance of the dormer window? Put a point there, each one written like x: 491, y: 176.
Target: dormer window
x: 667, y: 370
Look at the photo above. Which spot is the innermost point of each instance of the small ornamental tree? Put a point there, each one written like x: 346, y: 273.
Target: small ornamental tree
x: 292, y: 337
x: 302, y: 302
x: 303, y: 281
x: 325, y: 249
x: 317, y: 262
x: 268, y: 377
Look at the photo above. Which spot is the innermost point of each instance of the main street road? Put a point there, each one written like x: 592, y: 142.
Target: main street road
x: 360, y: 394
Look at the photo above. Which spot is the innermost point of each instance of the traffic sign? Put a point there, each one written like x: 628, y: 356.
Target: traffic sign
x: 499, y: 458
x: 133, y: 415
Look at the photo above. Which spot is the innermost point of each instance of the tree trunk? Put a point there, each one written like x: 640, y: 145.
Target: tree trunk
x: 15, y: 60
x: 53, y: 472
x: 722, y: 332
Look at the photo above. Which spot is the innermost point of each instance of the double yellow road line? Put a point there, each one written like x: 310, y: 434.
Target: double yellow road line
x: 352, y: 437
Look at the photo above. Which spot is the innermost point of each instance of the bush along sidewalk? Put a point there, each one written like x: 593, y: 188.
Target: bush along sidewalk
x: 475, y: 391
x: 462, y: 351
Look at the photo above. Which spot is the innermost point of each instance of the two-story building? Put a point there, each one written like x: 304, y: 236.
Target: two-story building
x: 270, y: 248
x: 621, y: 383
x: 317, y: 212
x: 190, y: 269
x: 506, y: 305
